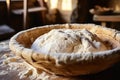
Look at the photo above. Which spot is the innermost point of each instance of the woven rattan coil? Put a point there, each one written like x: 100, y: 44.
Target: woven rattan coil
x: 68, y: 64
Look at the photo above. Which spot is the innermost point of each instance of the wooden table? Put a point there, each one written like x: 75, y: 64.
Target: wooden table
x: 112, y: 73
x: 106, y: 18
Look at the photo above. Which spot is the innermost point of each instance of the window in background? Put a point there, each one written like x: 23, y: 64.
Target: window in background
x: 67, y: 5
x: 53, y: 4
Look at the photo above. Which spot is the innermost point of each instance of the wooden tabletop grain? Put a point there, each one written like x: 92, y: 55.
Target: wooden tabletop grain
x: 112, y: 73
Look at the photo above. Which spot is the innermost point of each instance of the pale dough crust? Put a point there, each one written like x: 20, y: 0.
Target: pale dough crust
x: 68, y: 41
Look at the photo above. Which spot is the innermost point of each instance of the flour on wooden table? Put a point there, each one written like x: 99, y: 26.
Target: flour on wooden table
x: 15, y: 63
x: 3, y: 72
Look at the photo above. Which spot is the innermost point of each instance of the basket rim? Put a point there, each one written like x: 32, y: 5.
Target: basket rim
x: 62, y: 58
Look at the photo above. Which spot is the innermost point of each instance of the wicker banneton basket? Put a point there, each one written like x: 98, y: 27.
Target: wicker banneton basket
x: 68, y: 64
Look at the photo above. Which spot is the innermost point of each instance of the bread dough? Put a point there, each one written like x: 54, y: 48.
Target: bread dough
x: 68, y: 41
x: 68, y: 47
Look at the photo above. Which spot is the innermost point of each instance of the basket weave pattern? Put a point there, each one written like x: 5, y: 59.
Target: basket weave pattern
x: 67, y: 64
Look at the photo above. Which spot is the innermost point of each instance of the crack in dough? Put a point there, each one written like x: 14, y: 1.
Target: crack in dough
x: 68, y: 41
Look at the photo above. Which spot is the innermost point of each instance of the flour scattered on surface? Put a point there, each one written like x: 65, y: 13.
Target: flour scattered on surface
x: 3, y: 72
x: 15, y: 63
x: 4, y: 47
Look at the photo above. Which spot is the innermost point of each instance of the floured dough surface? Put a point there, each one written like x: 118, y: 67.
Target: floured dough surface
x: 68, y: 41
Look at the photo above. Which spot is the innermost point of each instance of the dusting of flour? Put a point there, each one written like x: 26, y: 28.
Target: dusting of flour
x: 68, y: 41
x: 15, y: 63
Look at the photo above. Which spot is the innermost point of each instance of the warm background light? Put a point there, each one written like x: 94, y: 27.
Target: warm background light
x: 8, y: 4
x: 67, y: 5
x: 53, y: 4
x: 117, y: 8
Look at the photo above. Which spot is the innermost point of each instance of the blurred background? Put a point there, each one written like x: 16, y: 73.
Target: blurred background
x: 17, y: 15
